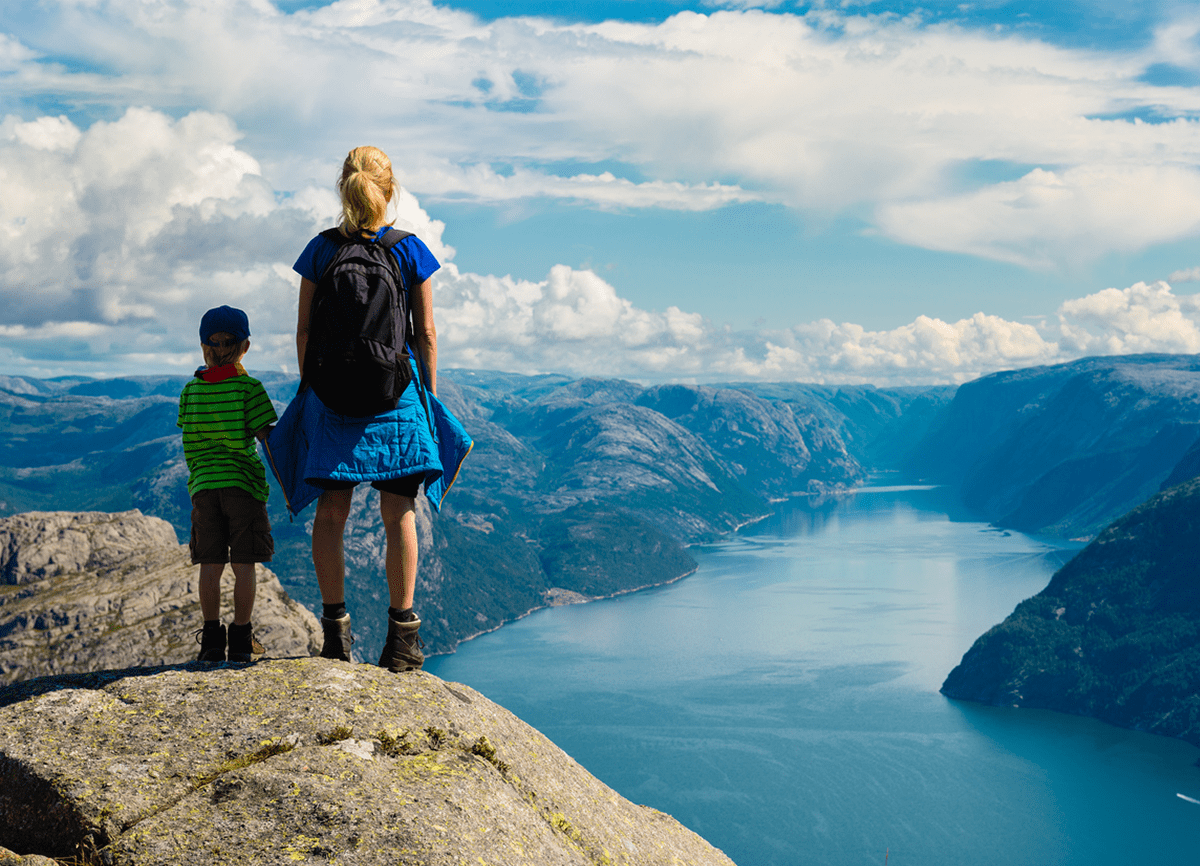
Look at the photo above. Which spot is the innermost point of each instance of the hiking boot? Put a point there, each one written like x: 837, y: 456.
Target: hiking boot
x: 242, y: 644
x: 212, y: 643
x: 402, y: 651
x: 337, y: 638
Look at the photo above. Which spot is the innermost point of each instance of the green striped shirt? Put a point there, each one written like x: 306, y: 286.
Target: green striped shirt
x: 219, y: 420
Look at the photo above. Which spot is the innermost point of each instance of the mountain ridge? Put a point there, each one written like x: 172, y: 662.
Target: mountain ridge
x: 1065, y: 449
x: 577, y: 488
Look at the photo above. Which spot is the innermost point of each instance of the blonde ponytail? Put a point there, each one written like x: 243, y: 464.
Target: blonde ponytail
x: 366, y: 188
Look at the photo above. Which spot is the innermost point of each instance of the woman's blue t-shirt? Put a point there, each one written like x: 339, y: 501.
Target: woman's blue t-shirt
x: 417, y: 263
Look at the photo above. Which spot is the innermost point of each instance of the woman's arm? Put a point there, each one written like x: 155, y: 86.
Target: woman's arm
x: 424, y: 332
x: 303, y: 316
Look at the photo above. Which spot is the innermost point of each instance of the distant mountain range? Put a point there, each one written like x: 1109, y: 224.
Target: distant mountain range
x: 1075, y: 450
x: 1065, y: 450
x: 576, y: 489
x: 584, y: 488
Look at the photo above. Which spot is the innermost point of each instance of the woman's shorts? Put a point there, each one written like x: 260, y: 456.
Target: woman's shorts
x: 409, y: 485
x: 229, y: 525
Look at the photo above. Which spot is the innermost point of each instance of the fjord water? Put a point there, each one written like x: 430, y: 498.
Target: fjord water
x: 783, y: 701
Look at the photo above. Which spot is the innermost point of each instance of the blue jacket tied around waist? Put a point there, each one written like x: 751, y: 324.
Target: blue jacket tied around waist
x: 419, y: 437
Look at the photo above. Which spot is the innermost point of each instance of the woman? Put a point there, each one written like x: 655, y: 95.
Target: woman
x: 321, y: 453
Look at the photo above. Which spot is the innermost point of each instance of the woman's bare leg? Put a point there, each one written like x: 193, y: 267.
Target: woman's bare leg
x: 400, y: 523
x: 329, y: 558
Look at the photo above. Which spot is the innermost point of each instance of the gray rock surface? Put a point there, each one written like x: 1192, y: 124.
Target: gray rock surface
x: 304, y: 760
x: 86, y: 591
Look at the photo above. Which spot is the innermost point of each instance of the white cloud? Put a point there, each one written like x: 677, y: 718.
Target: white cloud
x: 1141, y: 318
x: 166, y: 218
x: 574, y: 322
x: 170, y: 217
x: 829, y: 111
x: 1188, y: 275
x: 94, y: 221
x: 483, y: 183
x: 1049, y: 217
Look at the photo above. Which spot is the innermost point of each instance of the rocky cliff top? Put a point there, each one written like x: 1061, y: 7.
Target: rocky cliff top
x: 86, y: 591
x: 303, y: 760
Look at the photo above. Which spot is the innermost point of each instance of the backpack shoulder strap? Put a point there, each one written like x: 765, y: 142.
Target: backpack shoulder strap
x: 392, y: 237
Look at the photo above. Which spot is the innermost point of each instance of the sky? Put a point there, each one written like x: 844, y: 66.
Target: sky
x: 895, y: 193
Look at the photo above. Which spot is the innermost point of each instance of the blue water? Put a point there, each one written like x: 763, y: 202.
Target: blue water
x: 783, y: 701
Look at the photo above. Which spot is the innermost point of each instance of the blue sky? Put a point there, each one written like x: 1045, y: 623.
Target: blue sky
x: 857, y: 192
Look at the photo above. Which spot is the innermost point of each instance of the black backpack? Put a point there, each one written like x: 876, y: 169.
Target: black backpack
x: 356, y: 359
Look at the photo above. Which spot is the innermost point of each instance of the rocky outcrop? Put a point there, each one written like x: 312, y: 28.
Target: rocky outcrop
x: 1116, y: 633
x: 304, y: 760
x: 88, y: 591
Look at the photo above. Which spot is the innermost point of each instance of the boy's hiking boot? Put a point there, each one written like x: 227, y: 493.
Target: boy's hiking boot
x: 402, y: 652
x: 242, y: 644
x: 337, y: 638
x: 212, y: 643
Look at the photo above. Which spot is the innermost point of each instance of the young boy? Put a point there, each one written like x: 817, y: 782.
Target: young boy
x: 221, y: 412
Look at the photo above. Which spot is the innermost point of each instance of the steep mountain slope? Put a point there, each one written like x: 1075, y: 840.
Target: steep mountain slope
x: 1064, y: 450
x: 1116, y: 633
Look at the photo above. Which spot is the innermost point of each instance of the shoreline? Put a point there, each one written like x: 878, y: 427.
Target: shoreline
x: 580, y: 598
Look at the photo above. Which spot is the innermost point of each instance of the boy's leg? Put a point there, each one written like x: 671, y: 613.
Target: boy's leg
x: 243, y: 592
x: 250, y: 542
x: 210, y: 590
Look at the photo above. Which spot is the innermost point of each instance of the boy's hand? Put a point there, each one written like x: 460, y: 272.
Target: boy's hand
x: 264, y: 432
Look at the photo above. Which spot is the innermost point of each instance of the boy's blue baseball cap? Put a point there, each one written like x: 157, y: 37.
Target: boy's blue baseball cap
x: 229, y: 320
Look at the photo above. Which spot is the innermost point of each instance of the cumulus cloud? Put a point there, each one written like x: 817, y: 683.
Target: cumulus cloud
x: 1050, y: 217
x: 827, y: 111
x: 92, y: 219
x: 574, y: 322
x: 1188, y: 275
x: 1141, y: 318
x: 114, y: 239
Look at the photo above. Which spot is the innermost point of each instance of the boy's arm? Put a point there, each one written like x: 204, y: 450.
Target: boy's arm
x: 260, y: 412
x: 182, y: 408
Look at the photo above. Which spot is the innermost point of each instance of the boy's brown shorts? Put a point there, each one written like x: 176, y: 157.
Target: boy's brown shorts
x: 230, y: 525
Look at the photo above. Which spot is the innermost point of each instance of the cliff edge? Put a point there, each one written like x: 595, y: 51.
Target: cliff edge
x: 303, y: 760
